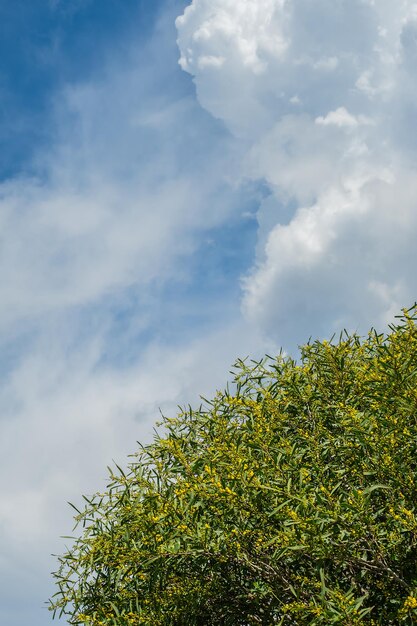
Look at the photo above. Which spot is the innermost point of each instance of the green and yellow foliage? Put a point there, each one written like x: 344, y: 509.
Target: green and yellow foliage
x: 289, y: 500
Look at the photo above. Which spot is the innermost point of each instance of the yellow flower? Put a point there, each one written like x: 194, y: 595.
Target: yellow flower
x: 410, y: 603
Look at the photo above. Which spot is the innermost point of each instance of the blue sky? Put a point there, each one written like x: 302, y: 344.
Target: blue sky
x: 182, y: 184
x: 43, y: 46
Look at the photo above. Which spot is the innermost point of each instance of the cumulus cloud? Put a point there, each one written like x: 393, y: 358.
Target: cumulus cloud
x: 323, y: 95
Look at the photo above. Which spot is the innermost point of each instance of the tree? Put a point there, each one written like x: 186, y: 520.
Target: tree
x: 290, y: 499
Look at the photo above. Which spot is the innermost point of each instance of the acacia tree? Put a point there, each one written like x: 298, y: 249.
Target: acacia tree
x: 289, y: 499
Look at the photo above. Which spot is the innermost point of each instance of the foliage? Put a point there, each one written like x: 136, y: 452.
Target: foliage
x: 291, y: 500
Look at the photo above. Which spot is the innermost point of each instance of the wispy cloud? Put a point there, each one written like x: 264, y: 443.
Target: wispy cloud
x: 137, y: 184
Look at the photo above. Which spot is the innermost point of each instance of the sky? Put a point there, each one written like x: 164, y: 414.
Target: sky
x: 182, y: 184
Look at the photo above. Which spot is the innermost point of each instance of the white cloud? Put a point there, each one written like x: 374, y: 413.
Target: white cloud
x: 248, y: 30
x: 247, y: 37
x: 345, y: 261
x: 340, y: 117
x: 328, y: 124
